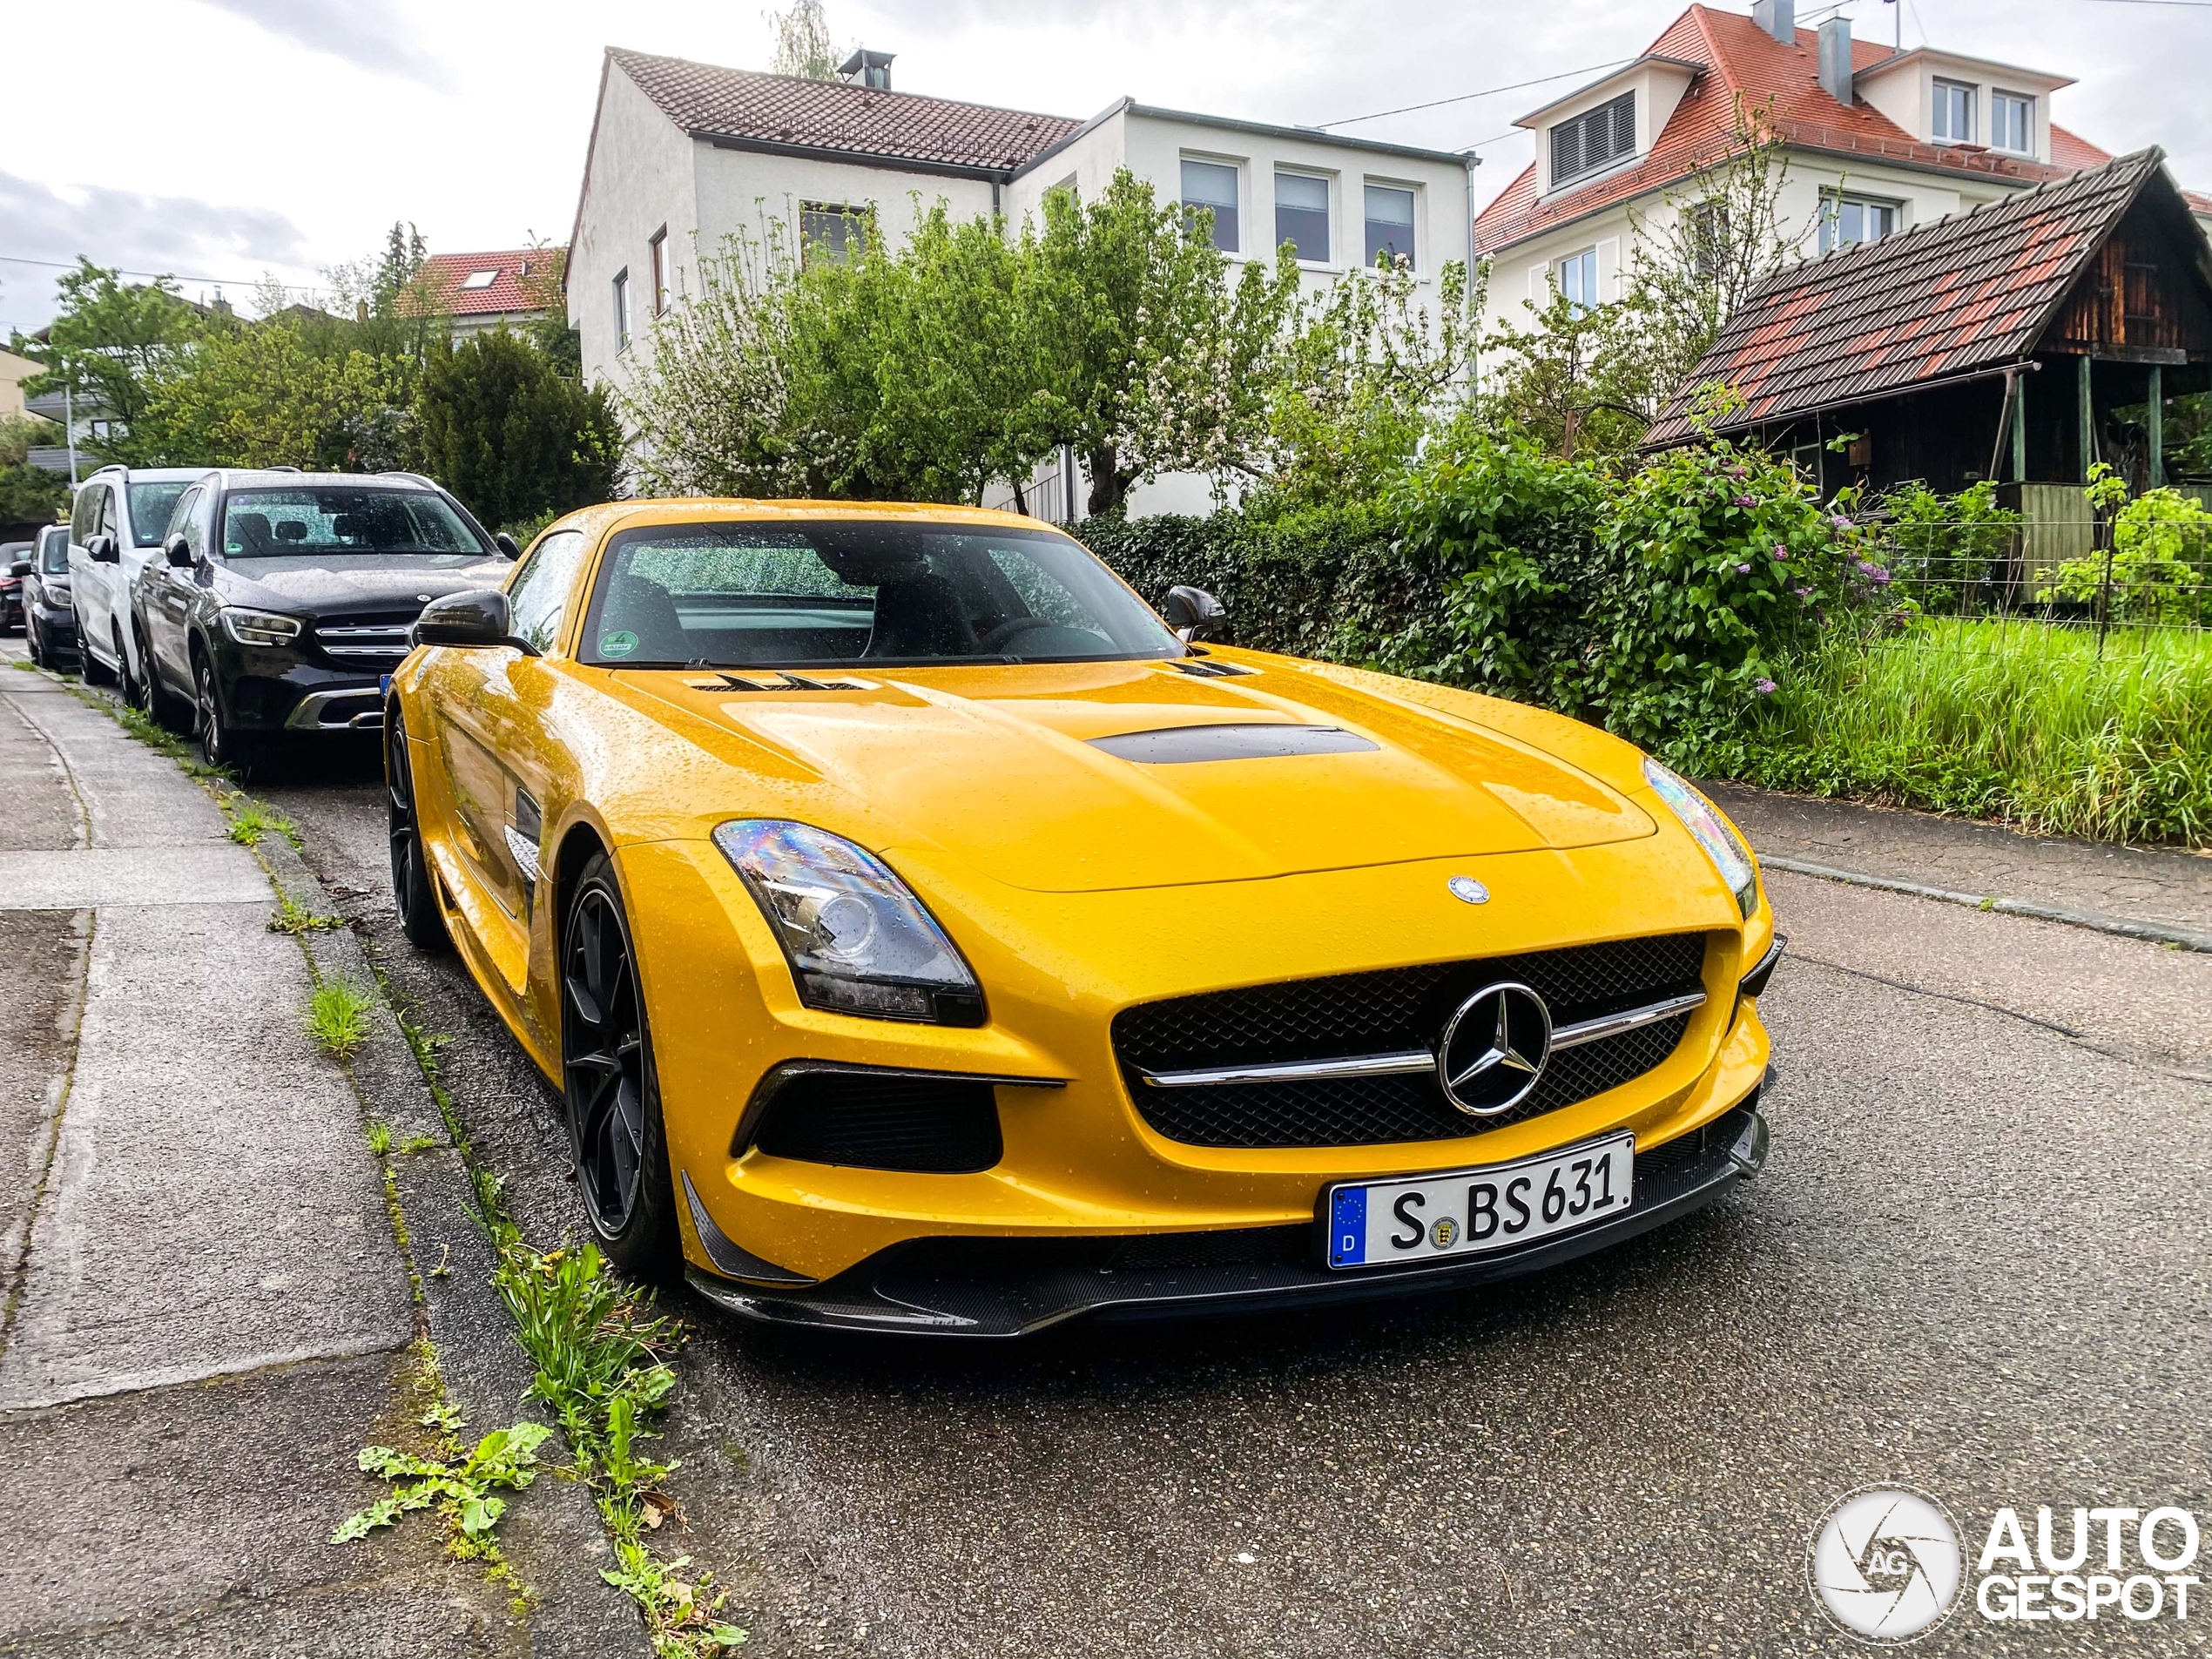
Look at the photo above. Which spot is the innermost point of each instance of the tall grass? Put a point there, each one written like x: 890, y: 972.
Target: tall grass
x: 2007, y: 719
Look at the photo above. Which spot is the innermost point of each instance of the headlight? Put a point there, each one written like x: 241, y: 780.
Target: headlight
x: 858, y: 941
x: 260, y: 628
x: 1702, y: 819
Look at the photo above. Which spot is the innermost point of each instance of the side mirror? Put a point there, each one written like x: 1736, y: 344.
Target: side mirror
x: 480, y: 616
x: 505, y: 544
x: 1195, y: 614
x: 178, y: 551
x: 20, y: 568
x: 102, y: 548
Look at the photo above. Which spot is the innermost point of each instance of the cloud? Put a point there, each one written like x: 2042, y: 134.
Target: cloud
x: 138, y: 232
x: 367, y: 35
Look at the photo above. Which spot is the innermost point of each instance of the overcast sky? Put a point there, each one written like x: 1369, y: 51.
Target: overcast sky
x: 231, y: 139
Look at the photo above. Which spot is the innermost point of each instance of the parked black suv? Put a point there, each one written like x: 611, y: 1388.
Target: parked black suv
x: 282, y: 599
x: 49, y: 614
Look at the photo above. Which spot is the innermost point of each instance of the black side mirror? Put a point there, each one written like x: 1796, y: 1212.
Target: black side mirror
x: 20, y: 568
x: 505, y: 544
x: 1195, y: 614
x: 102, y: 548
x: 480, y: 616
x: 178, y: 551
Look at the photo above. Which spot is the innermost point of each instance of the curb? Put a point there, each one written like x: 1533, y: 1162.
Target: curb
x: 2096, y: 922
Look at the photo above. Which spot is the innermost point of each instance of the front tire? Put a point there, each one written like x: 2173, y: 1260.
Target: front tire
x: 95, y: 673
x: 612, y: 1091
x: 221, y: 744
x: 419, y: 917
x: 155, y: 700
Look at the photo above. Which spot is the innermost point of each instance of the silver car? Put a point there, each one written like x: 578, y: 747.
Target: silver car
x: 115, y: 526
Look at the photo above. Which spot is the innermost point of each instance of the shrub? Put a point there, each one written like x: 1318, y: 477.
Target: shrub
x: 1947, y: 548
x: 2160, y: 543
x: 500, y: 428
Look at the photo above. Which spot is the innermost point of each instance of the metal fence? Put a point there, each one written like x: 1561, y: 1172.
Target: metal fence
x: 2051, y: 558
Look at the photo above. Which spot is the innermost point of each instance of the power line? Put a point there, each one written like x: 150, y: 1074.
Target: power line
x: 220, y: 282
x: 1433, y: 103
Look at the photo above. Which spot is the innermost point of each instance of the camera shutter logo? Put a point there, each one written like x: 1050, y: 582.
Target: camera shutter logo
x: 1886, y: 1564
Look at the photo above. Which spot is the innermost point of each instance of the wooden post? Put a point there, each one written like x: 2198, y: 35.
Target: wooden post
x: 2155, y: 424
x: 2019, y: 379
x: 2088, y: 421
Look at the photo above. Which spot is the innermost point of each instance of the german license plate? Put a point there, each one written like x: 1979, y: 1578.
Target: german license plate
x: 1468, y: 1212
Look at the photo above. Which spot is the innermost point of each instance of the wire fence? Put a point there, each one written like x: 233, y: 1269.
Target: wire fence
x: 2056, y: 562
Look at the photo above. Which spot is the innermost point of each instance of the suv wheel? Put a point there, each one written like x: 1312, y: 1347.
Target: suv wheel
x: 96, y: 671
x: 126, y: 682
x: 221, y: 744
x: 154, y: 700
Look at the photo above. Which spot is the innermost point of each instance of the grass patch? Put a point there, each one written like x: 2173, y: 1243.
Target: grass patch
x: 252, y: 823
x: 338, y: 1019
x: 2021, y: 721
x: 25, y: 664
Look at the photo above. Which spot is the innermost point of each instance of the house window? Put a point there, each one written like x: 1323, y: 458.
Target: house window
x: 1212, y: 185
x: 1576, y: 275
x: 621, y: 309
x: 476, y: 280
x: 1954, y: 113
x: 1595, y: 138
x: 659, y: 245
x: 1847, y: 221
x: 1390, y: 224
x: 2011, y: 123
x: 1705, y: 231
x: 1302, y: 215
x: 831, y: 231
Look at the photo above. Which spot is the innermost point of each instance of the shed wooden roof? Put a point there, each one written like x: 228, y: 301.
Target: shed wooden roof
x: 1963, y: 294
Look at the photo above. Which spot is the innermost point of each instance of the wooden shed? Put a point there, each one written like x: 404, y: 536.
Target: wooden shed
x: 2023, y: 342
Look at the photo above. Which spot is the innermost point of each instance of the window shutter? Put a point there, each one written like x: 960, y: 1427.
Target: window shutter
x: 1567, y: 149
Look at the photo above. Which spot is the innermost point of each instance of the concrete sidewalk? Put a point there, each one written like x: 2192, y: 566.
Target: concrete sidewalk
x: 2158, y: 894
x: 206, y: 1310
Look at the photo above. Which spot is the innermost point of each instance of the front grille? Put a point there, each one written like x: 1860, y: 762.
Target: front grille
x: 361, y: 639
x: 1396, y: 1010
x: 921, y: 1125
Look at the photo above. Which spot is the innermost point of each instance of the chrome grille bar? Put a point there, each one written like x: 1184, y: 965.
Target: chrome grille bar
x: 1416, y: 1060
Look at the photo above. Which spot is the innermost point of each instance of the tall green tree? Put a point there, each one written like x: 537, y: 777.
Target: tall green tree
x: 803, y: 44
x: 27, y: 495
x: 110, y: 341
x: 287, y: 391
x: 501, y: 427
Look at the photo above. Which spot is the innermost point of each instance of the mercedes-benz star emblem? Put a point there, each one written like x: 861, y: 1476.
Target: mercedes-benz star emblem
x: 1493, y: 1049
x: 1467, y: 890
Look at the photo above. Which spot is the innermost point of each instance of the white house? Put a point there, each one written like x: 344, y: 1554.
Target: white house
x: 683, y: 155
x: 1874, y: 141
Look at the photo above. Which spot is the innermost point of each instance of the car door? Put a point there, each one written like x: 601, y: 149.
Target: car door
x: 91, y: 581
x: 165, y: 593
x: 487, y: 709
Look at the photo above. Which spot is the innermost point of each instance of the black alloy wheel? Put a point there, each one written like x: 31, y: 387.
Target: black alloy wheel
x: 419, y: 917
x: 34, y: 641
x: 155, y: 700
x: 96, y: 671
x: 126, y: 683
x: 607, y: 1073
x: 221, y: 744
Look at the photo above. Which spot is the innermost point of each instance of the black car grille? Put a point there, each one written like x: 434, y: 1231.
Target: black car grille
x: 1397, y: 1010
x: 886, y: 1121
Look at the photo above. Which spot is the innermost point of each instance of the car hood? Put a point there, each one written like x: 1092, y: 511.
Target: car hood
x: 356, y: 581
x: 1002, y: 767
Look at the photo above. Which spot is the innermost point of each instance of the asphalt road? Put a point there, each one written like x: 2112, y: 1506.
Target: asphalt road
x: 1977, y: 1263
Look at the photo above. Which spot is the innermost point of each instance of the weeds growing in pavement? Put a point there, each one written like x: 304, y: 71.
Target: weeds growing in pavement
x: 337, y: 1018
x: 252, y: 823
x: 24, y: 663
x: 460, y: 1481
x: 380, y: 1137
x: 295, y: 919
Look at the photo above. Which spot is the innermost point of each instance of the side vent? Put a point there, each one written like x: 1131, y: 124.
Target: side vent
x: 1212, y: 670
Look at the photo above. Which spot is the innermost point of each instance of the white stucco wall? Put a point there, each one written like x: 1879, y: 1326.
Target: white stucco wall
x: 743, y: 192
x: 637, y: 179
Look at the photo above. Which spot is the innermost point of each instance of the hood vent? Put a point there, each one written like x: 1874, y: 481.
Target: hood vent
x: 1204, y: 670
x: 789, y: 681
x: 1183, y: 745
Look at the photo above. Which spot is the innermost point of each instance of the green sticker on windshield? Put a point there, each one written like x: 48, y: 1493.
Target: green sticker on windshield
x: 618, y: 642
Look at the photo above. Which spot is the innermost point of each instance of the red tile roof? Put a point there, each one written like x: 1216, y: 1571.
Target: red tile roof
x: 1780, y: 81
x: 782, y: 110
x: 1963, y: 294
x: 507, y: 293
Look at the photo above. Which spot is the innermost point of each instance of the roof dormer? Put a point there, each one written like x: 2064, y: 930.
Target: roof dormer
x: 1609, y: 123
x: 1967, y: 103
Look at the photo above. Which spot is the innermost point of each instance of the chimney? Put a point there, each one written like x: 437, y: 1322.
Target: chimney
x: 1835, y: 59
x: 1778, y: 17
x: 865, y: 67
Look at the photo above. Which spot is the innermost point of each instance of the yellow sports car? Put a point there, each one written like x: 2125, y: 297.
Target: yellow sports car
x: 927, y: 936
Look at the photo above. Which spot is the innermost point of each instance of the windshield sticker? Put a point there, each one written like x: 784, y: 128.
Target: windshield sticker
x: 619, y: 642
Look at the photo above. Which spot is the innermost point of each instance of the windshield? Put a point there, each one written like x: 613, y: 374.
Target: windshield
x: 318, y: 520
x: 829, y: 595
x: 150, y: 508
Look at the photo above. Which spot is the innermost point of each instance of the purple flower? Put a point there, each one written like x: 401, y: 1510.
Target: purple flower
x: 1742, y: 570
x: 1803, y: 593
x: 1781, y: 553
x: 1747, y: 500
x: 1839, y: 521
x: 1766, y: 688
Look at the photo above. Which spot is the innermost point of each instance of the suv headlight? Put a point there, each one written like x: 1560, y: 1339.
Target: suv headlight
x: 857, y: 940
x: 260, y: 628
x: 1713, y: 832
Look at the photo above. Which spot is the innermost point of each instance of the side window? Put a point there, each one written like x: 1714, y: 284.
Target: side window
x: 540, y: 592
x: 84, y: 518
x: 185, y: 518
